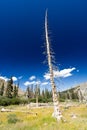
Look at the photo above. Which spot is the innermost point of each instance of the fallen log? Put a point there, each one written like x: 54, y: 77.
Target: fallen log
x: 9, y: 110
x: 5, y: 110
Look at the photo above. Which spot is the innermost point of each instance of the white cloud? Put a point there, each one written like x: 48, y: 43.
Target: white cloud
x: 26, y: 83
x: 38, y: 82
x: 4, y: 78
x: 44, y: 83
x: 29, y: 83
x: 20, y: 77
x: 47, y: 76
x: 63, y: 73
x: 32, y: 77
x: 14, y: 78
x: 67, y: 75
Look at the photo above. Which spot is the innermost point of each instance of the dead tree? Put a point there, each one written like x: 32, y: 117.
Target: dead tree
x: 36, y: 93
x: 57, y: 114
x: 80, y: 95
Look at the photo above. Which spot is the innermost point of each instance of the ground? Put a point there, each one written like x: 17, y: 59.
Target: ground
x: 41, y: 118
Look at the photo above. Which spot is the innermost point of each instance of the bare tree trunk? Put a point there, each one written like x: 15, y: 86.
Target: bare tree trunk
x: 36, y: 95
x: 70, y: 97
x: 80, y: 95
x: 57, y: 113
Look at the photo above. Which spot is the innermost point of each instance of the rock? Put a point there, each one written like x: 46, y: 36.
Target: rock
x: 3, y: 110
x: 73, y: 116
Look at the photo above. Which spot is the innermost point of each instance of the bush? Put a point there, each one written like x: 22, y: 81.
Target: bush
x: 41, y: 100
x: 24, y: 101
x: 15, y: 101
x: 33, y: 100
x: 4, y: 101
x: 61, y: 100
x: 12, y: 118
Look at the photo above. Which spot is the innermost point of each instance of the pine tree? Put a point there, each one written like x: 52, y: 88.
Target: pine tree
x: 32, y: 91
x: 28, y: 92
x: 37, y: 92
x: 43, y: 93
x: 47, y: 93
x: 15, y: 91
x: 9, y: 89
x: 2, y: 90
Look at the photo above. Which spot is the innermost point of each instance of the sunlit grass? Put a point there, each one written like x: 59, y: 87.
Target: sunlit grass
x: 41, y: 119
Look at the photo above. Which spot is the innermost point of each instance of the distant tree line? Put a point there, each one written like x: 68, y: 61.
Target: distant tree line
x: 45, y: 95
x: 10, y: 94
x: 34, y: 93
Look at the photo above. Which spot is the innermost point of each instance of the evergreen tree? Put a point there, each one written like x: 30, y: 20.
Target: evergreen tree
x: 50, y: 94
x: 15, y: 91
x: 28, y: 92
x: 47, y: 95
x: 37, y: 94
x: 32, y: 91
x: 38, y: 90
x: 9, y: 90
x: 43, y: 93
x: 2, y: 90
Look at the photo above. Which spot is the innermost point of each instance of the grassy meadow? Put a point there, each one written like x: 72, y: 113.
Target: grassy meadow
x: 41, y: 118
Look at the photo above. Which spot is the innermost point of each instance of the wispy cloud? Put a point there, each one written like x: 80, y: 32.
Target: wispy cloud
x: 32, y: 77
x: 63, y: 73
x: 38, y: 82
x: 77, y: 70
x: 20, y: 77
x: 44, y: 83
x: 27, y: 83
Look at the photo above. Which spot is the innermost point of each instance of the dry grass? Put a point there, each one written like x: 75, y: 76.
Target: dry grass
x: 43, y: 120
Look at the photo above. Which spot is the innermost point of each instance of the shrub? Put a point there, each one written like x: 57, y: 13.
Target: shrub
x: 33, y: 100
x: 24, y: 101
x: 61, y: 100
x: 5, y: 101
x: 15, y: 101
x: 12, y: 118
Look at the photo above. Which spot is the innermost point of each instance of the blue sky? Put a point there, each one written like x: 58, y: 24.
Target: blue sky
x: 22, y: 38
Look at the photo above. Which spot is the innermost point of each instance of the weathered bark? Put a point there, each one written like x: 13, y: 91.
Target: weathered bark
x: 80, y: 96
x: 57, y: 113
x: 69, y: 94
x: 36, y: 96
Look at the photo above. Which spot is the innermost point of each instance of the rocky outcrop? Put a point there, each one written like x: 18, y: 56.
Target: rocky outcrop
x: 20, y: 91
x: 81, y: 90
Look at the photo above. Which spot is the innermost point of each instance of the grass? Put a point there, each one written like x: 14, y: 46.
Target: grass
x: 43, y: 119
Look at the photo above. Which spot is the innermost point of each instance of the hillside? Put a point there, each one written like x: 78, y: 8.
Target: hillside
x: 76, y: 92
